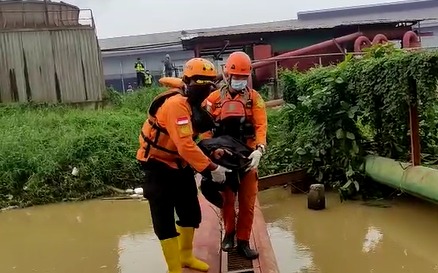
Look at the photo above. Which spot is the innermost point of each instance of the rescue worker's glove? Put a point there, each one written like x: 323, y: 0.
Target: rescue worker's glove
x: 255, y: 159
x: 218, y: 175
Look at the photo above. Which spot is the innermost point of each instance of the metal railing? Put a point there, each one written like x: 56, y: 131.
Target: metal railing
x: 44, y: 18
x: 121, y: 81
x: 274, y: 61
x: 319, y: 59
x: 272, y: 82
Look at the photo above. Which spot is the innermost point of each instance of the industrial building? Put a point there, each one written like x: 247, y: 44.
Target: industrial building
x: 49, y: 54
x: 264, y: 40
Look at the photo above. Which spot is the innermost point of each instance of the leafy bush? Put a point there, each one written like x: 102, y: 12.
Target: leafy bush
x: 338, y: 114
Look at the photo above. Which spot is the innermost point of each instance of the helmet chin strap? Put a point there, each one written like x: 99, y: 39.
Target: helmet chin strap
x: 184, y: 89
x: 225, y: 77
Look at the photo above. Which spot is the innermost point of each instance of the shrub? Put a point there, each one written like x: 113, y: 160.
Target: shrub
x: 336, y: 115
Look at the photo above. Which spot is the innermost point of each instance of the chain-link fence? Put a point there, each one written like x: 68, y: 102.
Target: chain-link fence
x: 123, y: 81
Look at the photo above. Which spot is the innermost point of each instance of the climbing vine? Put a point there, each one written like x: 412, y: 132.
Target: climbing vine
x: 336, y: 115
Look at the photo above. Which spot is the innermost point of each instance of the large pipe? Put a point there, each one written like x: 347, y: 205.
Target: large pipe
x: 416, y: 180
x: 380, y: 39
x: 306, y: 50
x: 360, y: 43
x: 411, y: 39
x: 274, y: 103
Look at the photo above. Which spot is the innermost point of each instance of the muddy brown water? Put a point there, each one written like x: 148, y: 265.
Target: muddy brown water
x: 117, y: 236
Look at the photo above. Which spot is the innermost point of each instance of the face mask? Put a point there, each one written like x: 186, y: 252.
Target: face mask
x: 238, y: 84
x: 196, y: 94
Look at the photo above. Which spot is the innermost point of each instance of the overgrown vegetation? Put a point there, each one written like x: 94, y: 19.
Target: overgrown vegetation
x: 40, y: 145
x: 336, y: 115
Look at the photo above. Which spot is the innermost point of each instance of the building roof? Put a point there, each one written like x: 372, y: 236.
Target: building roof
x: 386, y: 8
x: 155, y: 40
x: 401, y: 11
x: 289, y: 25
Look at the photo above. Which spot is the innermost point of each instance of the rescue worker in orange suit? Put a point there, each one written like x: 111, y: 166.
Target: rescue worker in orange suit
x: 240, y: 112
x: 167, y: 150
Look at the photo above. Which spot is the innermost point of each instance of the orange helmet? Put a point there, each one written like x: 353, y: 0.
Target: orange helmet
x: 239, y: 63
x: 199, y: 67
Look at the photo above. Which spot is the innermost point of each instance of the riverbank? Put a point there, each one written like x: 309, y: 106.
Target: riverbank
x: 333, y: 118
x: 41, y: 145
x: 44, y: 146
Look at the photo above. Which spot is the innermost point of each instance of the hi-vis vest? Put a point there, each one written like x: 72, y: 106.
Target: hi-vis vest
x: 159, y: 137
x: 139, y: 67
x: 239, y: 110
x: 148, y: 78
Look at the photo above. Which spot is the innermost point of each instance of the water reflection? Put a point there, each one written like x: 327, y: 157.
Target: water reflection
x: 351, y: 237
x: 287, y: 249
x: 79, y: 237
x: 112, y: 237
x: 372, y: 239
x: 139, y: 253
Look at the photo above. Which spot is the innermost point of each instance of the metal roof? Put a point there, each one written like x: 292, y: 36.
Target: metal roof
x: 390, y: 7
x: 401, y: 11
x: 170, y: 39
x: 155, y: 40
x: 290, y: 25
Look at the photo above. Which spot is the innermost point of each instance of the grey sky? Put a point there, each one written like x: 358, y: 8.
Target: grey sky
x: 133, y: 17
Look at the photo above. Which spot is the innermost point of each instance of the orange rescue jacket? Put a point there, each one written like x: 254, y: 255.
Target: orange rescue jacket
x: 167, y: 134
x: 248, y: 104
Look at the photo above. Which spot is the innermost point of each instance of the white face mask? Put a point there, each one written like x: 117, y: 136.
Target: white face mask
x: 239, y: 85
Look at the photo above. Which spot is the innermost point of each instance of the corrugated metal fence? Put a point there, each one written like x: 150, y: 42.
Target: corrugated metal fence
x: 50, y: 66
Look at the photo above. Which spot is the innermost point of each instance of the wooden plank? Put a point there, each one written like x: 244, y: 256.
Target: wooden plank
x: 281, y: 179
x: 208, y: 237
x: 224, y: 261
x: 266, y: 263
x: 207, y: 242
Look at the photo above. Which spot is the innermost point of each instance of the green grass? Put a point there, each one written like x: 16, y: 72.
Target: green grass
x: 40, y: 145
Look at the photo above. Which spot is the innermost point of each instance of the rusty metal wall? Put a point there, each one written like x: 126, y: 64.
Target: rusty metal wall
x: 50, y: 66
x: 32, y: 14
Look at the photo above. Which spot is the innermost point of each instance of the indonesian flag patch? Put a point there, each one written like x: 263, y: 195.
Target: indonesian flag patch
x: 182, y: 120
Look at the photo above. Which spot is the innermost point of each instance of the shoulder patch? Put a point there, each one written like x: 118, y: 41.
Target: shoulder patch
x: 185, y: 130
x: 184, y: 127
x: 182, y: 120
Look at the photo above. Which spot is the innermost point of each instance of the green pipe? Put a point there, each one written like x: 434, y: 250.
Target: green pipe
x: 416, y: 180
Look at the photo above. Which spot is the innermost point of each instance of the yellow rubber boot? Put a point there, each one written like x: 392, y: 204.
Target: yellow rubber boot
x: 186, y: 250
x: 171, y: 255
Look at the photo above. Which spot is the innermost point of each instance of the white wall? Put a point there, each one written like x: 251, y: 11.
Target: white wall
x: 114, y: 66
x: 430, y: 41
x: 219, y: 64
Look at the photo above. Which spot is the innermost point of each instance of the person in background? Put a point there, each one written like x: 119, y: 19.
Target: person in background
x: 176, y: 71
x: 168, y: 67
x: 240, y: 113
x: 139, y: 69
x: 129, y: 89
x: 148, y: 78
x: 167, y: 154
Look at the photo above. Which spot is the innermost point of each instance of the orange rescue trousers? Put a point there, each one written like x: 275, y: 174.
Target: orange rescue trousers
x: 246, y: 197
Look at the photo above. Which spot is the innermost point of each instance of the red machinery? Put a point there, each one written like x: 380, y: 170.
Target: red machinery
x: 324, y: 53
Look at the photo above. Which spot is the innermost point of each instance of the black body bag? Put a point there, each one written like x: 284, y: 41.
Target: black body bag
x: 235, y: 158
